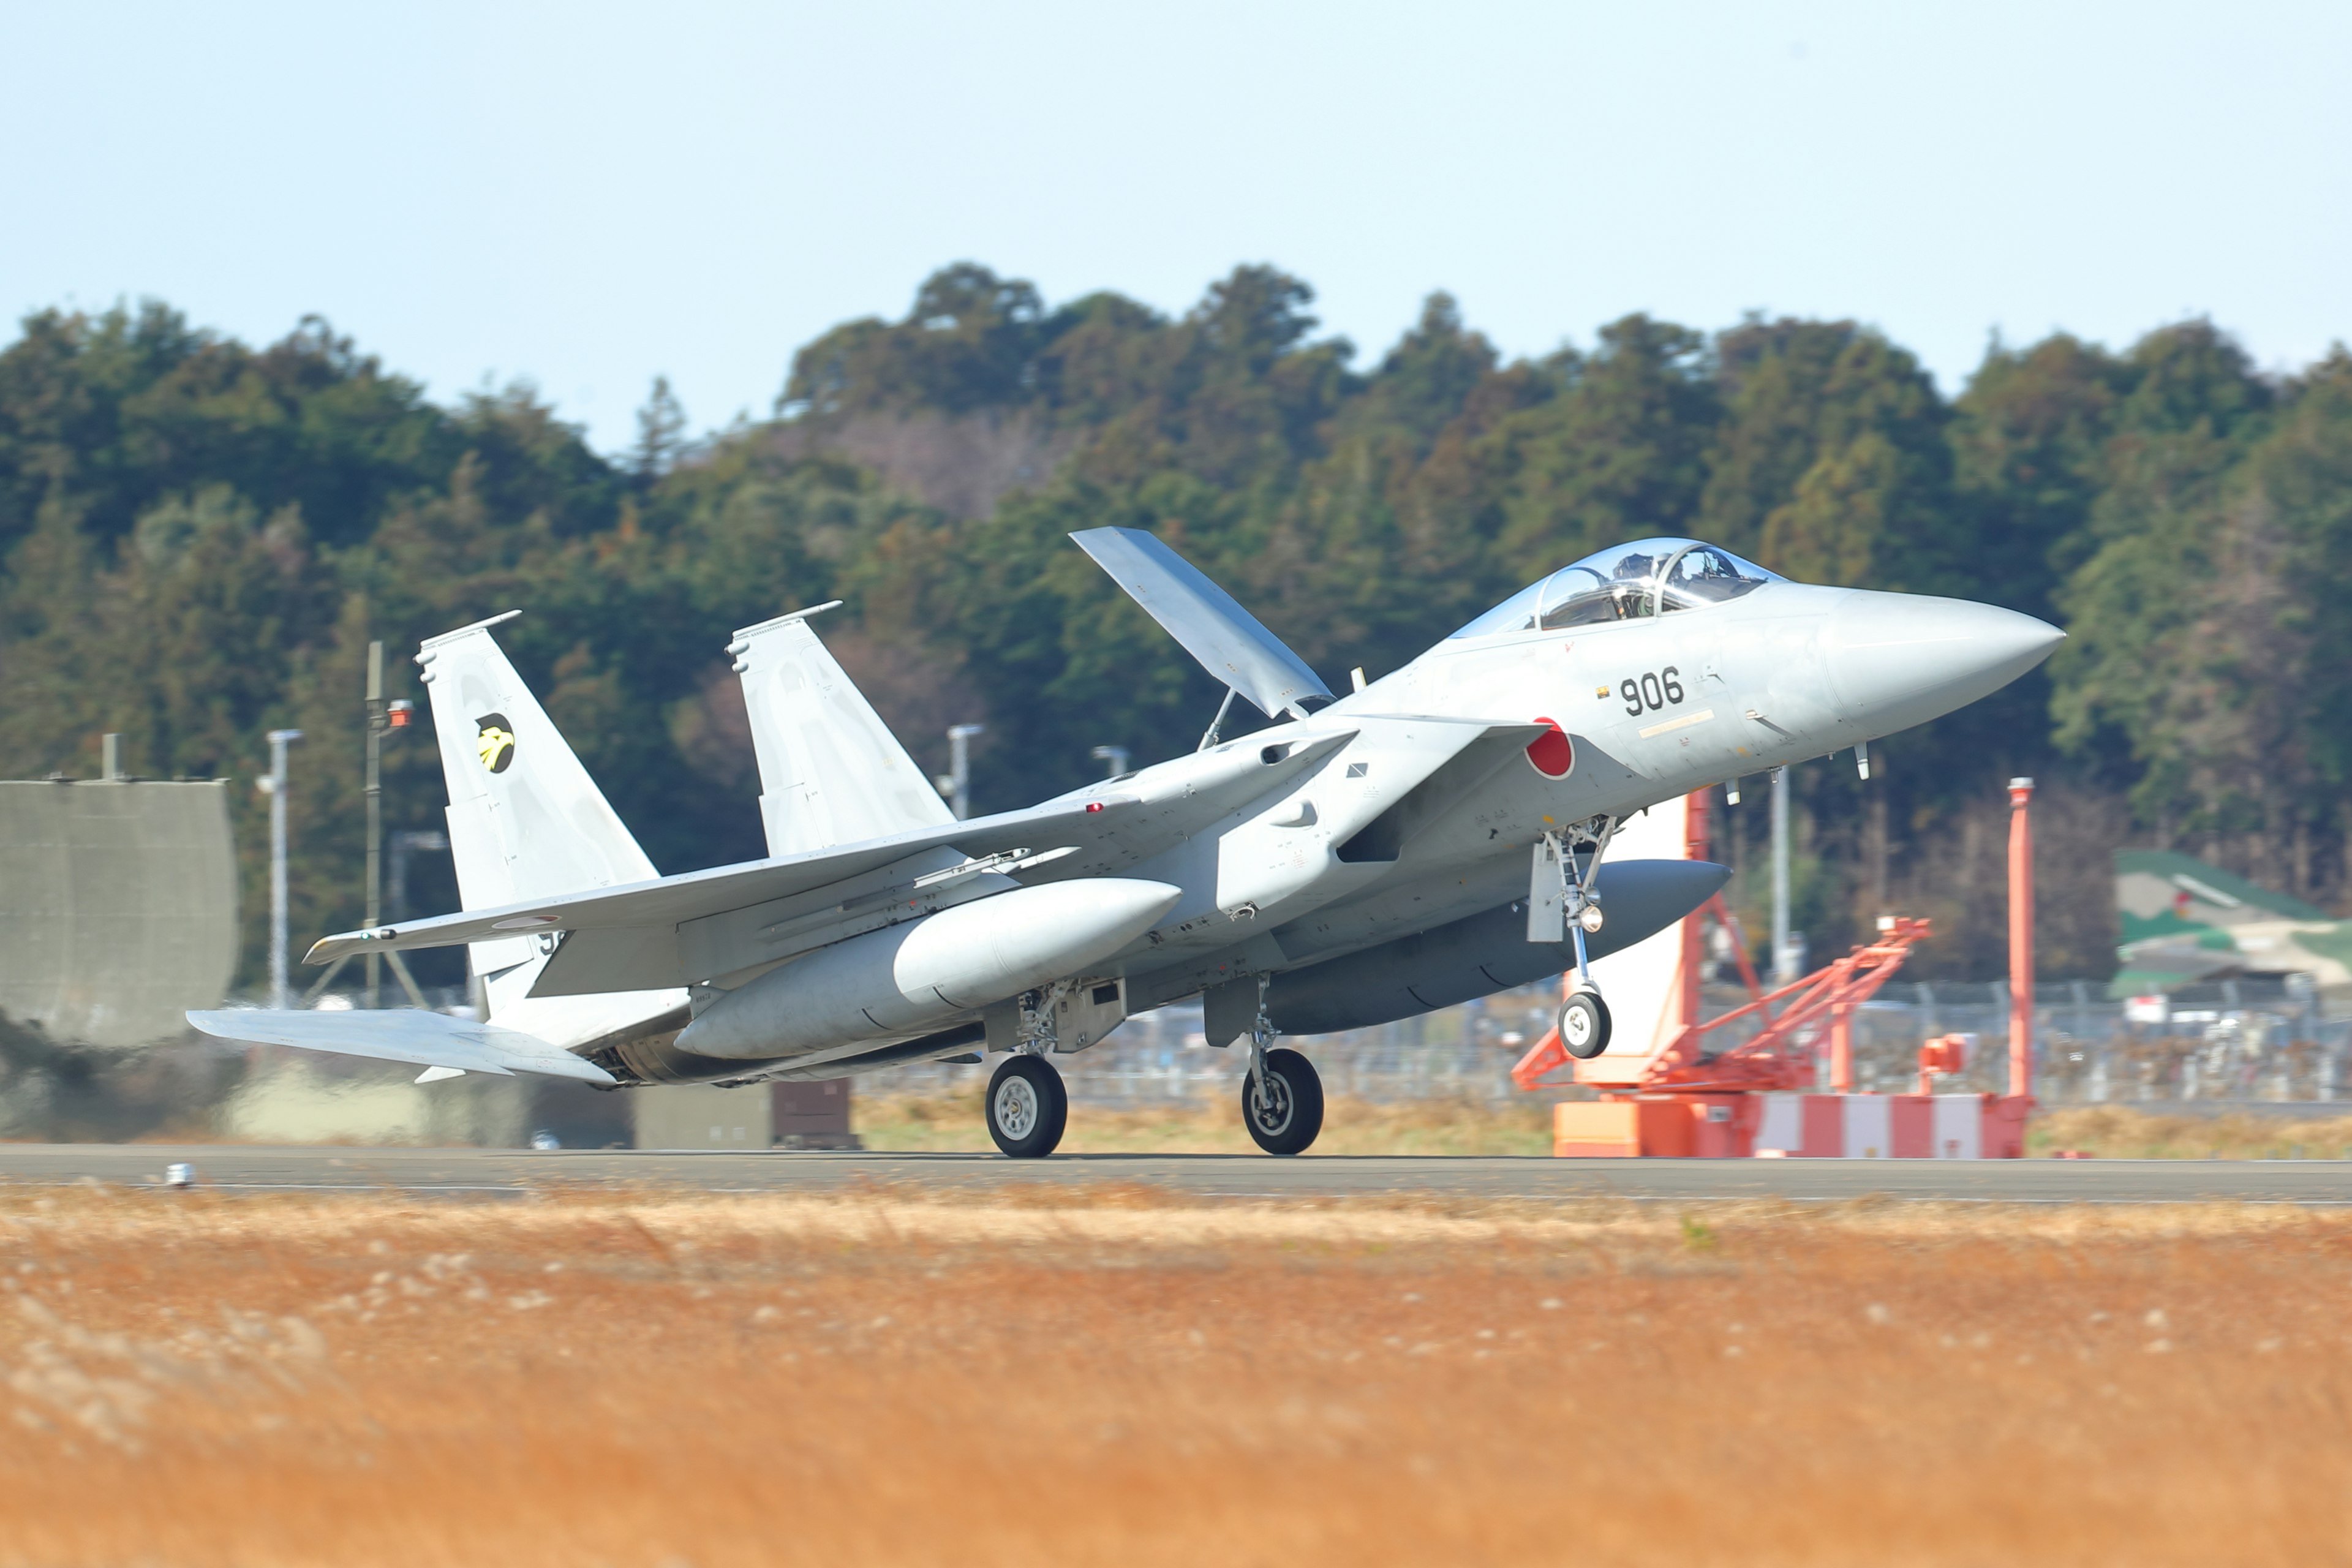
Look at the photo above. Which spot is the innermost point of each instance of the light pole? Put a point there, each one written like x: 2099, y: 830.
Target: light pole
x: 1784, y: 961
x: 382, y: 718
x: 2021, y: 938
x: 957, y: 783
x: 375, y: 728
x: 276, y: 786
x: 1115, y: 756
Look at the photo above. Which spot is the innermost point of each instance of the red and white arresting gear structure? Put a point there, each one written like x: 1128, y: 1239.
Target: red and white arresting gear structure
x: 1687, y: 1098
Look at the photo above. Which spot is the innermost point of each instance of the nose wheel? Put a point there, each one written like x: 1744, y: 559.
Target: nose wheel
x: 1027, y: 1107
x: 1282, y: 1102
x: 1583, y: 1025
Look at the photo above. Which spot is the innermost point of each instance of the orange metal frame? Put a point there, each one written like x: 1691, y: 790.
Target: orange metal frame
x: 1777, y: 1057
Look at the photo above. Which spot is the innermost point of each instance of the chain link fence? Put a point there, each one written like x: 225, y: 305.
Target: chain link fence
x: 2254, y: 1040
x: 2263, y: 1039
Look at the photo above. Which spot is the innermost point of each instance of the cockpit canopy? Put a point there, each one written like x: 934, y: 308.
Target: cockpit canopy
x: 1647, y: 577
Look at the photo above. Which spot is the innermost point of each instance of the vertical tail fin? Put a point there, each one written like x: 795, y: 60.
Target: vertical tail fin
x: 525, y: 819
x: 830, y: 770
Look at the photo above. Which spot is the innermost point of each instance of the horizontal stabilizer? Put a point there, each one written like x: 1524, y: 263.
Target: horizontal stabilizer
x: 1228, y: 640
x: 402, y: 1035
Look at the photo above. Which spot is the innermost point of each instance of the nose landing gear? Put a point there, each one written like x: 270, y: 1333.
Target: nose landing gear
x: 1561, y: 903
x: 1583, y: 1025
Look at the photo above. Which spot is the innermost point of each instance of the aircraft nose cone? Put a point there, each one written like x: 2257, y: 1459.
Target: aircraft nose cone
x: 1899, y: 659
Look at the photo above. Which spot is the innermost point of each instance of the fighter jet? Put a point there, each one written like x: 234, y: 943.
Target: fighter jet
x: 2184, y: 920
x: 1436, y: 834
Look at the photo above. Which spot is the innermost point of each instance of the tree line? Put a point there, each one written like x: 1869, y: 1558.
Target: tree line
x: 200, y: 537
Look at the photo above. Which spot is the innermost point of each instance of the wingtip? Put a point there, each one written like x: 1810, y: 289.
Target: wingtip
x: 432, y: 643
x: 220, y: 1023
x: 743, y: 633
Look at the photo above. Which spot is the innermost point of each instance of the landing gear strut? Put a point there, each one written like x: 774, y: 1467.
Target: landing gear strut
x: 1027, y: 1107
x: 1281, y: 1098
x: 1560, y: 903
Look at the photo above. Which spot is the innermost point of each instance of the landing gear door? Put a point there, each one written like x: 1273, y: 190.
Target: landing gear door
x: 1087, y: 1011
x: 1065, y: 1018
x: 1548, y: 894
x: 1002, y: 1023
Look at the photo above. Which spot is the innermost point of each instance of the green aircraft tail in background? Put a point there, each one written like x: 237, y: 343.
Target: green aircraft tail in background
x: 2184, y: 920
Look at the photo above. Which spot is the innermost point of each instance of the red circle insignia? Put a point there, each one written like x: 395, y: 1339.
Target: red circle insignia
x: 1551, y: 752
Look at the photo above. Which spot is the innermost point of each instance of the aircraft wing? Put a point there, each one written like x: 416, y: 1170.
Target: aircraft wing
x: 1101, y: 830
x: 403, y: 1035
x: 1228, y: 640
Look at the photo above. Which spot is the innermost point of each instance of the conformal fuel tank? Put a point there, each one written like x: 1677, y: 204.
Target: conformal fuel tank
x: 916, y: 976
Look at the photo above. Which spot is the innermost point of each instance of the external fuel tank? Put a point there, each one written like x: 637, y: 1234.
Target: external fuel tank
x: 912, y: 978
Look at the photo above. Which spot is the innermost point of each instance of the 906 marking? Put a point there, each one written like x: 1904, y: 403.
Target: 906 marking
x: 1650, y: 691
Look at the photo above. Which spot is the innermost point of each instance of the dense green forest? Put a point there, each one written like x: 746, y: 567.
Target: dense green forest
x: 200, y: 538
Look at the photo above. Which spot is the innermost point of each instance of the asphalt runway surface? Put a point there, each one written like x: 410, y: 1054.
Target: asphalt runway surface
x: 506, y: 1172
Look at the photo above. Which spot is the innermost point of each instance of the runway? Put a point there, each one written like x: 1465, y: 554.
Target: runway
x: 506, y: 1172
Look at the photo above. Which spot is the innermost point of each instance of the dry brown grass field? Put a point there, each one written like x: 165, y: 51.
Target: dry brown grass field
x: 951, y: 1122
x: 1113, y: 1375
x: 2119, y: 1132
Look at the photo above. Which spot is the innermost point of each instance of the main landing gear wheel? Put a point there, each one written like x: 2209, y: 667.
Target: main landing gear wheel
x: 1584, y: 1024
x: 1286, y: 1119
x: 1027, y: 1107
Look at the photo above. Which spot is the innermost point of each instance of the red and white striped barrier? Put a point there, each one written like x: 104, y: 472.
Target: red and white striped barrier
x: 1891, y: 1126
x: 1793, y: 1126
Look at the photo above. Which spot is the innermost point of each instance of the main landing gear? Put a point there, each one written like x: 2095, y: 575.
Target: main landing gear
x: 1027, y: 1107
x: 1282, y: 1101
x: 1281, y: 1098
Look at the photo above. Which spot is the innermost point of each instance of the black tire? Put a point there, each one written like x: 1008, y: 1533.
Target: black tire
x: 1027, y: 1108
x: 1583, y: 1025
x: 1295, y: 1117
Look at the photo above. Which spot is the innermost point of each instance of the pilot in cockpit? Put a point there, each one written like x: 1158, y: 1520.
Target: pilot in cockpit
x: 1648, y: 577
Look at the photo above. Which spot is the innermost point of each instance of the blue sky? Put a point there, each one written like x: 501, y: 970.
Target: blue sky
x: 588, y: 194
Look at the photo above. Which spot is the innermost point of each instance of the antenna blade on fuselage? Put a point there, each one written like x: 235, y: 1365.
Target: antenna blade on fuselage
x: 1228, y: 640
